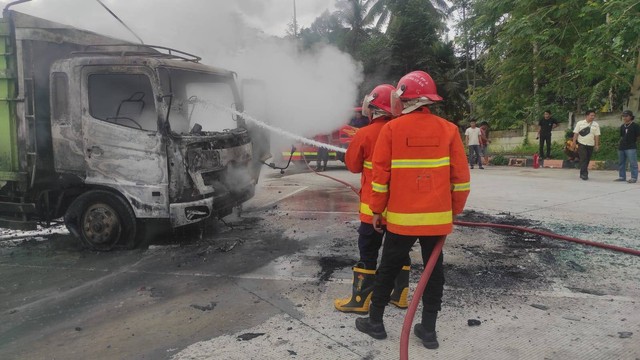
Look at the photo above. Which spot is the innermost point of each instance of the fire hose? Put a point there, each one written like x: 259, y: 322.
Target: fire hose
x: 331, y: 177
x: 422, y: 283
x: 424, y: 278
x: 431, y: 263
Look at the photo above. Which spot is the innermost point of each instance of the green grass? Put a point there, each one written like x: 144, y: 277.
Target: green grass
x: 608, y: 147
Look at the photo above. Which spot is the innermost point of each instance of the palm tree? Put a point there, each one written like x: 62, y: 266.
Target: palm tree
x: 353, y: 13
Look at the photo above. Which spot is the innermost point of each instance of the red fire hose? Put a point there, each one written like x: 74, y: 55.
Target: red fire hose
x: 415, y: 300
x: 330, y: 177
x: 422, y: 283
x: 551, y: 235
x: 431, y: 263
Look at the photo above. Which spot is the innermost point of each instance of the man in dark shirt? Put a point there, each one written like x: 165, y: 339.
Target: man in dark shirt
x: 545, y: 125
x: 627, y: 148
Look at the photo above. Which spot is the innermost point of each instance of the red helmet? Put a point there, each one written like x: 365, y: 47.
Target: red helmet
x: 378, y: 101
x: 414, y: 90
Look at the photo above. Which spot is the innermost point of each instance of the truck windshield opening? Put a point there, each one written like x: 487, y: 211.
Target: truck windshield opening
x: 199, y: 98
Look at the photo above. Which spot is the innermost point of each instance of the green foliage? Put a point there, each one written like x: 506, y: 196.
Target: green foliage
x: 609, y: 139
x: 510, y: 61
x: 499, y: 160
x: 412, y: 41
x: 412, y: 34
x: 566, y: 55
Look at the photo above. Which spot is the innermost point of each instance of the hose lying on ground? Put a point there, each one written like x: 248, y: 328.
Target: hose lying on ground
x: 523, y: 229
x: 551, y: 235
x: 330, y: 177
x: 422, y: 283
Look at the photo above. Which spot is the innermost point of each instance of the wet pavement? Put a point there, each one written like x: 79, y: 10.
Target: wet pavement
x: 263, y: 288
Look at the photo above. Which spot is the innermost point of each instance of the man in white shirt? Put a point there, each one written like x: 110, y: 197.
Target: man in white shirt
x: 587, y: 134
x: 472, y: 139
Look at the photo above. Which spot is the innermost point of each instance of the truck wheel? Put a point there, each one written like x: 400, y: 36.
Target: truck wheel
x: 102, y: 220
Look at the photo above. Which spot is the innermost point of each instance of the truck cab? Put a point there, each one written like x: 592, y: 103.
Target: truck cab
x: 113, y: 136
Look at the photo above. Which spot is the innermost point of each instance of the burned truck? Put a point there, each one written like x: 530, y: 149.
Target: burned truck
x: 113, y: 136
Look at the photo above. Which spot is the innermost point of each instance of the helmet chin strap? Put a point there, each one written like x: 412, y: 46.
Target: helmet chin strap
x: 378, y: 114
x: 413, y: 104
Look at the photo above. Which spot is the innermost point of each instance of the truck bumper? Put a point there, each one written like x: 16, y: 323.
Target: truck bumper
x: 190, y: 212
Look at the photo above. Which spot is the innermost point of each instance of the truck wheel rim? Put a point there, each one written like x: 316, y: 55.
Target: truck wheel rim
x: 101, y: 225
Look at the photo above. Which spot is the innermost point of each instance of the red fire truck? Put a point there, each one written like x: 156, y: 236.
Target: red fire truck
x: 340, y: 138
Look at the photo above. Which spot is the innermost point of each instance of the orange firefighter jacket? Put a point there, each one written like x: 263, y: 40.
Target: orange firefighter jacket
x: 420, y: 174
x: 358, y: 160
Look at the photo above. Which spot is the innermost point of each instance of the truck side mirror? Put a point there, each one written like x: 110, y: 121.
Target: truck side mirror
x: 234, y: 116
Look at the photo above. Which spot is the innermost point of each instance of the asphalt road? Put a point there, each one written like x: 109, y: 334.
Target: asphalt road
x: 263, y: 287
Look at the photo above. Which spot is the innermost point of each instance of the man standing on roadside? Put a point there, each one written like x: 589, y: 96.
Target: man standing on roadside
x: 545, y: 125
x: 473, y: 139
x: 586, y: 135
x: 421, y: 179
x: 627, y: 148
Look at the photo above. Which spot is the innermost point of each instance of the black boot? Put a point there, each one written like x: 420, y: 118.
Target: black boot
x: 426, y: 331
x: 358, y: 302
x: 401, y: 289
x: 373, y: 325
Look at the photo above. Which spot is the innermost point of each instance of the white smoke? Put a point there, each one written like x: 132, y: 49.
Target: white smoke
x: 307, y: 93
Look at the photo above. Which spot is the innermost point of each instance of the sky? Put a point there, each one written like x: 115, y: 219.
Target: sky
x: 270, y: 16
x: 308, y: 93
x: 273, y: 16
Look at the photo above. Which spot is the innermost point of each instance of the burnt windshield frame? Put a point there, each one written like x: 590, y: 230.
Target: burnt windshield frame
x: 170, y: 94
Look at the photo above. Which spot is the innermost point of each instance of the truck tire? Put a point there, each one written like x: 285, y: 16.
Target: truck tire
x: 102, y: 220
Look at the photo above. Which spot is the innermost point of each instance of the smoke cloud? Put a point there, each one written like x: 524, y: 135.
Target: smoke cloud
x: 304, y: 93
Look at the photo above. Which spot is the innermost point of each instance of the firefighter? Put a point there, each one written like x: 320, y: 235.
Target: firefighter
x: 377, y: 107
x: 421, y: 179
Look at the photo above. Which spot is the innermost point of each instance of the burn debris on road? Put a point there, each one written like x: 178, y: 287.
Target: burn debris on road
x: 587, y: 291
x: 228, y: 244
x: 503, y: 260
x: 208, y: 307
x: 540, y: 306
x: 474, y: 322
x: 248, y: 336
x: 330, y: 264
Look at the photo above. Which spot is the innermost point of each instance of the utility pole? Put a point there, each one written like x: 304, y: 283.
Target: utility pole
x: 295, y: 22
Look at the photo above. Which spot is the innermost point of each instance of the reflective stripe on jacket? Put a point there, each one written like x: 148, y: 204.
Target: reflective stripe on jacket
x: 420, y: 174
x: 358, y: 160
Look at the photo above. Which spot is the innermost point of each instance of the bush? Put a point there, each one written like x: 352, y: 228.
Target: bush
x: 609, y: 139
x: 499, y: 160
x: 557, y: 151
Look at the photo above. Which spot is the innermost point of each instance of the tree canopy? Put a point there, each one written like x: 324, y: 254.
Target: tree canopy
x: 508, y: 61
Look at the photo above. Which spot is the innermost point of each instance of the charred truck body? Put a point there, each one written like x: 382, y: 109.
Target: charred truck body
x: 112, y: 136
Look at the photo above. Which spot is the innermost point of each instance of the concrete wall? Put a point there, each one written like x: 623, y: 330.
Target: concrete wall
x: 505, y: 140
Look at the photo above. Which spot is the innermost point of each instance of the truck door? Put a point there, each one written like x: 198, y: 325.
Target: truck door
x: 123, y: 147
